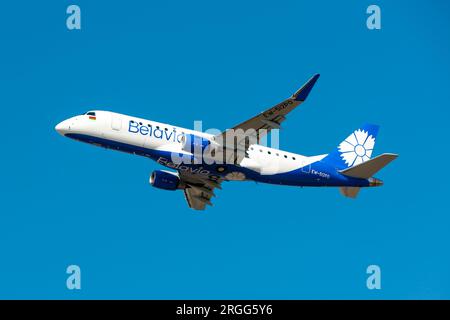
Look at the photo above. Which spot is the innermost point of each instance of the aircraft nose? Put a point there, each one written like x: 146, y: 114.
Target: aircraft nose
x: 63, y: 127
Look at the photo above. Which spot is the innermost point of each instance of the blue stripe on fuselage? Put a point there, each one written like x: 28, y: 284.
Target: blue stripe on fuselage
x: 318, y: 173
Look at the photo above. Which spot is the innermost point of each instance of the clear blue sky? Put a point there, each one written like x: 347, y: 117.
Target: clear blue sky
x: 66, y: 203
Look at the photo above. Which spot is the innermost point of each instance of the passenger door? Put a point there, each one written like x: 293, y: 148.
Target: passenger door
x: 116, y: 122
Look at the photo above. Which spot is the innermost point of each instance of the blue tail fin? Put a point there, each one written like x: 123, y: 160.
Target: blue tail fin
x: 355, y: 149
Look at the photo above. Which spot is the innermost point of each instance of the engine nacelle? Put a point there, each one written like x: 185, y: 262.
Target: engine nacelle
x: 166, y: 180
x: 192, y: 143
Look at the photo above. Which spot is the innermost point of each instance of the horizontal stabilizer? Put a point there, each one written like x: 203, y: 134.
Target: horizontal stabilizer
x: 367, y: 169
x: 350, y: 192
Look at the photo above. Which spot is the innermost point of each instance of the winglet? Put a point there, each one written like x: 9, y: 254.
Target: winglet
x: 304, y: 91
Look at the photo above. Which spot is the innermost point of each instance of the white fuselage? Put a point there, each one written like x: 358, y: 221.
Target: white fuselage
x: 156, y: 136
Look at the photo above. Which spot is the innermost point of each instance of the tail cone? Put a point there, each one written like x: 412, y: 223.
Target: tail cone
x: 374, y: 182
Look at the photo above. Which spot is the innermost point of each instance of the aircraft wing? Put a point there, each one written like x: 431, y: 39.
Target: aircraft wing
x: 199, y: 190
x: 273, y: 117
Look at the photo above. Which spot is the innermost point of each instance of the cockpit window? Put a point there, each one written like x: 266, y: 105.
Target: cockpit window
x: 90, y: 113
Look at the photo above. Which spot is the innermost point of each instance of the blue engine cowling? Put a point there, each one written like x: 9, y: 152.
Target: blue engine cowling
x: 165, y: 180
x: 192, y: 143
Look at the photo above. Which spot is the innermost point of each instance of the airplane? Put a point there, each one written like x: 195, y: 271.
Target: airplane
x: 349, y: 166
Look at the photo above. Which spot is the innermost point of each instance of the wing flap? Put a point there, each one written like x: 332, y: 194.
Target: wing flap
x: 199, y: 190
x: 195, y: 200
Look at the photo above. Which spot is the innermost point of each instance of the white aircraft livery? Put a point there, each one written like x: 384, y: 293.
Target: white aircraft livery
x: 200, y: 162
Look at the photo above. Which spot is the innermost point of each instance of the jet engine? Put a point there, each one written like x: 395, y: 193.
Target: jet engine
x: 166, y: 180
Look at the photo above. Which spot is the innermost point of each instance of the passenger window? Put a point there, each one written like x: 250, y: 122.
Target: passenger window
x: 293, y: 158
x: 285, y: 156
